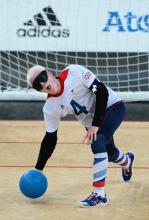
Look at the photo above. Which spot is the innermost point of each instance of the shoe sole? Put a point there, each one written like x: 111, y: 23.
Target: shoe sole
x: 95, y: 206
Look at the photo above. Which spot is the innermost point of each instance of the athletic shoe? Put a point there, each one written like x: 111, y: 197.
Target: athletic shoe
x: 127, y: 173
x: 93, y: 200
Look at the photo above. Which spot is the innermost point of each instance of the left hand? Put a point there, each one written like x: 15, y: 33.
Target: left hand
x: 91, y: 135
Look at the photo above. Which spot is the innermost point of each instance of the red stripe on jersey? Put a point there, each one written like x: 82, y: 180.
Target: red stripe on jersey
x: 62, y: 77
x: 99, y: 184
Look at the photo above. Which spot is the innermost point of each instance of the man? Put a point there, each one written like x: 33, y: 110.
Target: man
x: 77, y: 91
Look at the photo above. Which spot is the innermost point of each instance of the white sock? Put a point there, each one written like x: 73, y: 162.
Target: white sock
x: 99, y: 190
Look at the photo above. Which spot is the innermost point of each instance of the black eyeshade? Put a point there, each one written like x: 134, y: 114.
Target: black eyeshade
x: 42, y: 77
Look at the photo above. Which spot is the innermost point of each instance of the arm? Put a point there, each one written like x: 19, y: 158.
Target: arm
x: 89, y: 79
x: 47, y: 147
x: 101, y: 93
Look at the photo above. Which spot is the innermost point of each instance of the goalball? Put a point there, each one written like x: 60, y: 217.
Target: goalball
x: 33, y: 184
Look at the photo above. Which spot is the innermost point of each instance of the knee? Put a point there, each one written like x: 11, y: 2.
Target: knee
x: 112, y: 150
x: 113, y: 155
x: 99, y: 146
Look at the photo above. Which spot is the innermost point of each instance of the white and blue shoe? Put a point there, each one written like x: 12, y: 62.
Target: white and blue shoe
x: 93, y: 201
x: 127, y: 173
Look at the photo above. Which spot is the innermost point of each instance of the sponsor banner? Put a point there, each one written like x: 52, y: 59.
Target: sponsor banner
x: 68, y: 25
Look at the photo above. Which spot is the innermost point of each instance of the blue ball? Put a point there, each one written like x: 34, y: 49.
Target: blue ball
x: 33, y: 184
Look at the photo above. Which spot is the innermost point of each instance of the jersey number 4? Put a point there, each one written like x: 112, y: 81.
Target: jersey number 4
x: 78, y: 109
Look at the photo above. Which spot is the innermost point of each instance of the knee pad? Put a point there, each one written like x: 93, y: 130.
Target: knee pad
x: 99, y: 146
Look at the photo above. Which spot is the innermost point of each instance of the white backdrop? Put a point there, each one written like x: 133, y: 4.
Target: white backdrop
x: 84, y: 25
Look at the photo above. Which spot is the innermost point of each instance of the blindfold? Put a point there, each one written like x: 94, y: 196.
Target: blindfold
x: 41, y: 78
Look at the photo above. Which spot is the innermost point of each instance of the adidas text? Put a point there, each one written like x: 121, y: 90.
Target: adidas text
x: 43, y: 32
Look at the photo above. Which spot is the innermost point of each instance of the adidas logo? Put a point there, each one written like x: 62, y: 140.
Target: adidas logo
x: 44, y: 24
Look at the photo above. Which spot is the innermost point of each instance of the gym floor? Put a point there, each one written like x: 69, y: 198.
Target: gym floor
x: 69, y: 174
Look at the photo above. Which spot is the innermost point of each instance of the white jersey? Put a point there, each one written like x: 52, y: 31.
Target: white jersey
x: 74, y: 98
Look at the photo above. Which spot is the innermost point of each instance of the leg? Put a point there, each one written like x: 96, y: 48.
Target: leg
x: 115, y: 155
x: 125, y: 160
x: 111, y: 121
x: 100, y: 165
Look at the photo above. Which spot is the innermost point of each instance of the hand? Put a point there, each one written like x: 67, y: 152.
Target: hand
x: 91, y: 135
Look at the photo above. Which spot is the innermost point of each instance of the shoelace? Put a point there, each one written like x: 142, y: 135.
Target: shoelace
x: 92, y: 196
